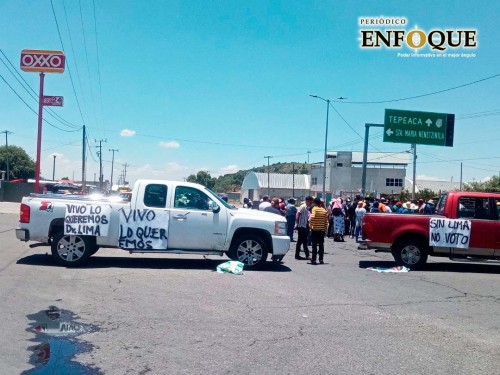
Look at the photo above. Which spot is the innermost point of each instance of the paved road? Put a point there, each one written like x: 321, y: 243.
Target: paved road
x: 173, y: 314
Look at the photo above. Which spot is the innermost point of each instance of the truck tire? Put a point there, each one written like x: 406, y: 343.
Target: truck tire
x: 410, y: 253
x: 249, y: 250
x: 71, y: 250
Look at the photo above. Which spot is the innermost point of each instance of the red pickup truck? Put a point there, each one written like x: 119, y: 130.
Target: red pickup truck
x: 466, y: 226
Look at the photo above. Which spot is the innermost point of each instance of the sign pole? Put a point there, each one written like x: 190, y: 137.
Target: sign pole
x: 414, y: 147
x: 365, y: 156
x: 39, y: 138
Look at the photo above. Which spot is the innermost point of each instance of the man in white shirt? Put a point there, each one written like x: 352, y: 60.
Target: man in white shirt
x: 265, y: 203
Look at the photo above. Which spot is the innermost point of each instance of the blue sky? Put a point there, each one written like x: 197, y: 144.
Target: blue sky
x: 217, y: 85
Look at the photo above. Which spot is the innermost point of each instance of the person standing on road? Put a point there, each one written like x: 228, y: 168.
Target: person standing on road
x: 265, y: 203
x: 338, y: 221
x: 274, y: 208
x: 430, y: 208
x: 360, y: 212
x: 318, y: 223
x: 302, y: 222
x: 291, y: 214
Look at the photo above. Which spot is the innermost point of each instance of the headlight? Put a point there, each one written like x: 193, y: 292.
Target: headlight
x: 280, y: 228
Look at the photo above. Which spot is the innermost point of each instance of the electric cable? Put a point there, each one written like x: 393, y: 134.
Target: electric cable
x: 69, y: 70
x: 417, y: 96
x: 32, y: 110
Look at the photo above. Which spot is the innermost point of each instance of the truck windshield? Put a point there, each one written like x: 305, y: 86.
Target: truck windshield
x: 441, y: 204
x: 219, y: 199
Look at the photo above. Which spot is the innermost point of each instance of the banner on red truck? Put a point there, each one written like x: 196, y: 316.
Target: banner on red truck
x: 449, y: 233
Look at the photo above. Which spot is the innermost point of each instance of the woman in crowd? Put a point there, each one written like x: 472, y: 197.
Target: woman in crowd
x: 338, y: 221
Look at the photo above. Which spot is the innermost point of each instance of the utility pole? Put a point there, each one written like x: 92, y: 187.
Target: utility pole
x: 7, y: 152
x: 414, y: 147
x: 308, y: 153
x: 293, y: 180
x: 460, y: 176
x: 99, y: 153
x: 54, y: 168
x: 125, y: 172
x: 268, y: 157
x: 113, y: 150
x: 84, y: 157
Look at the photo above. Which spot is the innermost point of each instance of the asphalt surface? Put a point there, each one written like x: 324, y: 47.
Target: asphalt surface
x: 153, y: 314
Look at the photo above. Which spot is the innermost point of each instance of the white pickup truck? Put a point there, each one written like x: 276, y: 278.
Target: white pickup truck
x: 162, y: 217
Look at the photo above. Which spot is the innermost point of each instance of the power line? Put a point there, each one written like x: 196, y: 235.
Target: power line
x: 32, y: 110
x: 418, y: 96
x: 87, y: 60
x: 98, y: 62
x: 90, y: 149
x: 32, y: 93
x: 214, y: 143
x: 67, y: 64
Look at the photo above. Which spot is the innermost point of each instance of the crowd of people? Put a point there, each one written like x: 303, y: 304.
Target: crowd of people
x: 314, y: 221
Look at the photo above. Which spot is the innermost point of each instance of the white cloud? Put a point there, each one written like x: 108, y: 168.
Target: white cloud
x: 231, y: 168
x: 171, y: 144
x: 127, y: 133
x: 171, y: 171
x: 425, y: 177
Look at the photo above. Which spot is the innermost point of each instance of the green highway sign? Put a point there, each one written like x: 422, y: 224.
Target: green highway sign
x: 424, y: 128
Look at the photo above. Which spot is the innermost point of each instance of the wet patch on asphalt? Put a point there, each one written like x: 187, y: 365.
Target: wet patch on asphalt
x: 57, y: 343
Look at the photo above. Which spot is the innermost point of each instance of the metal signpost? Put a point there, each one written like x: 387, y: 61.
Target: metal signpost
x: 44, y: 62
x: 414, y: 127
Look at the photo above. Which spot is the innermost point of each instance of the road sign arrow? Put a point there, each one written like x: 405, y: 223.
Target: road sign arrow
x: 429, y: 122
x: 389, y: 132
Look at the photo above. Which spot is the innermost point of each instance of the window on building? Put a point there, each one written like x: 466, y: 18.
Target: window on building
x: 393, y: 182
x: 314, y: 180
x: 339, y: 164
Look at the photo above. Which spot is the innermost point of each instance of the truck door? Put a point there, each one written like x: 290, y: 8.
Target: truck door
x: 483, y: 227
x: 193, y: 224
x: 496, y: 207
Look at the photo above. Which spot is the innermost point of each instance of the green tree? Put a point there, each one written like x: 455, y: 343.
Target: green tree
x: 202, y: 178
x: 427, y: 194
x: 489, y: 186
x: 20, y: 164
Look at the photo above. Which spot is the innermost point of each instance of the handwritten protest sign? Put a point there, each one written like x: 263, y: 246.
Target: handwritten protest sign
x: 143, y: 229
x: 449, y: 233
x: 87, y: 219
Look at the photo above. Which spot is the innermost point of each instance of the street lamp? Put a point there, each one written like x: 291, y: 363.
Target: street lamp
x: 326, y: 138
x: 7, y: 152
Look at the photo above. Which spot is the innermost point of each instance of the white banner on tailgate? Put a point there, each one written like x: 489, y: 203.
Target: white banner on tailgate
x: 87, y: 219
x: 449, y: 232
x: 143, y: 229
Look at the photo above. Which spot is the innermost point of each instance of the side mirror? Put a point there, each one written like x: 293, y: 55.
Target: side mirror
x: 215, y: 207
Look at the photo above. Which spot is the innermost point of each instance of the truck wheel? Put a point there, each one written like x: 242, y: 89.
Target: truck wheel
x: 70, y: 250
x: 411, y: 254
x: 249, y: 250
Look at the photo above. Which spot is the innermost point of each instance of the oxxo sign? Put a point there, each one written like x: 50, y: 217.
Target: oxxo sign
x: 425, y: 128
x: 42, y: 61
